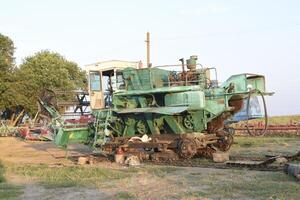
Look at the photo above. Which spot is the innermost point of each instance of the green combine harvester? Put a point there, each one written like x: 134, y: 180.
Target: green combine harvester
x: 156, y: 113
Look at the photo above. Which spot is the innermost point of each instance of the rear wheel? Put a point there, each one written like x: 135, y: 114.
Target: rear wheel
x: 187, y: 148
x: 225, y: 143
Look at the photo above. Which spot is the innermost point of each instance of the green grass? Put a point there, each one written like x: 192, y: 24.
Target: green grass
x: 124, y: 195
x: 2, y: 179
x: 240, y: 184
x: 74, y: 176
x: 277, y: 120
x: 160, y: 171
x: 51, y: 177
x: 261, y: 141
x: 8, y: 191
x: 260, y: 146
x: 278, y: 186
x: 198, y: 194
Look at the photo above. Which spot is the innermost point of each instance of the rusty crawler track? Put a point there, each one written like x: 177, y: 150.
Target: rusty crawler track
x: 196, y: 163
x: 264, y: 165
x: 255, y: 163
x: 228, y: 165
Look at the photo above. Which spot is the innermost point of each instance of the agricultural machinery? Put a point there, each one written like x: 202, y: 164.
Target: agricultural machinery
x: 156, y: 113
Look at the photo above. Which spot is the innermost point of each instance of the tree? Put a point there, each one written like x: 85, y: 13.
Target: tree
x: 46, y: 70
x: 6, y: 71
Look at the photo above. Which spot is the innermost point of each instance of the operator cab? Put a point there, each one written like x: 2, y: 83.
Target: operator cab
x: 105, y: 78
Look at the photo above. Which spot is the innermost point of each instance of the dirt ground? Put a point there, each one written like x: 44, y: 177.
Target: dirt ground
x: 15, y: 150
x: 39, y: 170
x: 36, y: 152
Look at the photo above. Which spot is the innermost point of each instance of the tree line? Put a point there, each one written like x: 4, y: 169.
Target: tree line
x: 20, y: 86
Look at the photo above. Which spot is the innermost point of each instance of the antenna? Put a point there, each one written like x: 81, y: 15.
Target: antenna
x: 148, y: 49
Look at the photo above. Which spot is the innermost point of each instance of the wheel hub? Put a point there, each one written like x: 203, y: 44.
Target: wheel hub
x: 187, y: 148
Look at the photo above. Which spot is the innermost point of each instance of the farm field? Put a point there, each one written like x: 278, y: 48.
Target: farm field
x: 39, y: 170
x: 279, y: 120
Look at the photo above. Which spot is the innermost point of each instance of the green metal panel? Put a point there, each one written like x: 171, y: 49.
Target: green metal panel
x: 256, y: 82
x: 193, y: 99
x: 174, y: 126
x: 160, y: 77
x: 66, y: 136
x: 159, y: 90
x: 241, y: 82
x: 199, y: 120
x: 215, y: 106
x: 145, y: 79
x: 160, y: 110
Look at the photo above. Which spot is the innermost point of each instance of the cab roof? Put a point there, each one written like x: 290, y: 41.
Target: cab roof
x: 111, y: 64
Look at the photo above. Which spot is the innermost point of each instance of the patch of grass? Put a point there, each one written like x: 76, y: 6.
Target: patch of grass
x: 202, y: 160
x: 277, y: 120
x: 52, y: 177
x: 124, y: 195
x: 237, y: 185
x: 264, y: 188
x: 2, y: 179
x: 161, y: 171
x: 260, y: 146
x: 261, y: 141
x: 10, y: 192
x: 72, y: 176
x: 284, y: 119
x: 195, y: 194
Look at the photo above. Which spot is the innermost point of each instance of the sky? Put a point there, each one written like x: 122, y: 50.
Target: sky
x: 235, y: 36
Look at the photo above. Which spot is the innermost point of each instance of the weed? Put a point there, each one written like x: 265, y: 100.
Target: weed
x: 124, y: 195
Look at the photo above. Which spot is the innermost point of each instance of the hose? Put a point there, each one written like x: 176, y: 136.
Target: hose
x: 265, y: 111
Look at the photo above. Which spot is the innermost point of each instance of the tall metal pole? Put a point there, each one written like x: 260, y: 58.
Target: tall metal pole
x: 148, y: 49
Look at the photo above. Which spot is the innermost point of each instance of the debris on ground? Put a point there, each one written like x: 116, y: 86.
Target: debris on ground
x: 132, y: 161
x: 85, y: 160
x: 6, y: 129
x: 119, y: 158
x: 82, y: 161
x: 281, y: 160
x: 293, y: 170
x: 220, y: 157
x: 36, y: 133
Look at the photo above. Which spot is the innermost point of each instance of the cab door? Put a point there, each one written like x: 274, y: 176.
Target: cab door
x: 95, y: 90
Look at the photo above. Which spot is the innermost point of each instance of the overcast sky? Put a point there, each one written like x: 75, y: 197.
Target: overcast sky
x: 236, y: 36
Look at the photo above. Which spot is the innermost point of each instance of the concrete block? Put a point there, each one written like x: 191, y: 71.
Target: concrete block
x: 82, y: 160
x: 220, y: 157
x: 120, y: 158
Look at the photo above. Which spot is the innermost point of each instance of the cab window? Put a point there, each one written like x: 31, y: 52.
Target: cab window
x: 120, y: 81
x: 95, y: 81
